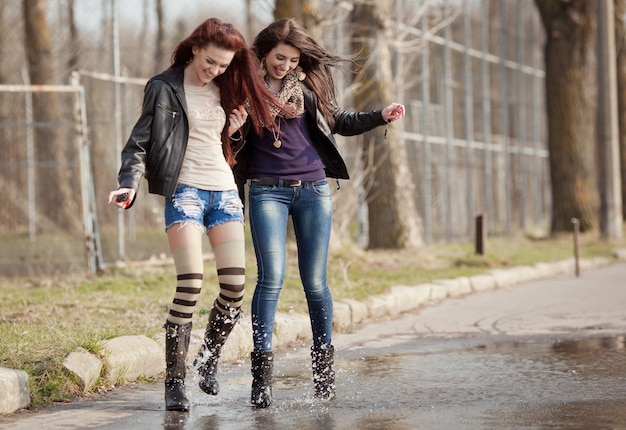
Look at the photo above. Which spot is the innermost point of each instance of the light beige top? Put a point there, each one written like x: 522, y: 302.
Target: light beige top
x: 204, y: 165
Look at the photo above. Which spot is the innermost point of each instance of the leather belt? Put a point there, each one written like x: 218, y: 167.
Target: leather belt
x: 277, y: 182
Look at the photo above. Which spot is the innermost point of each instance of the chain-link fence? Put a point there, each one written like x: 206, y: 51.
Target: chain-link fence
x: 475, y: 130
x: 477, y: 123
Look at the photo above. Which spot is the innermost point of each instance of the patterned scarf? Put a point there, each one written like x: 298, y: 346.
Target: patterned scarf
x: 290, y: 96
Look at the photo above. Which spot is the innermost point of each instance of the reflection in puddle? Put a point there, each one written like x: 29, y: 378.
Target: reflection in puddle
x: 511, y: 382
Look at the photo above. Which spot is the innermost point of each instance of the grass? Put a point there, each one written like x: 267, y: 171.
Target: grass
x: 43, y: 319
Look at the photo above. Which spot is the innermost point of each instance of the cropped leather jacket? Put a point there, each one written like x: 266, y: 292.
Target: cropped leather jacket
x: 346, y: 124
x: 156, y: 146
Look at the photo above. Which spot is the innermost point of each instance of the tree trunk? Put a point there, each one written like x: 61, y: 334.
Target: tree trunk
x: 286, y: 9
x: 620, y: 44
x: 57, y: 191
x: 393, y: 219
x: 306, y: 12
x: 569, y: 33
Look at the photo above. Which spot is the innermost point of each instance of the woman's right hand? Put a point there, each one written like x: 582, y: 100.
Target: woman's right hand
x: 236, y: 119
x: 122, y: 197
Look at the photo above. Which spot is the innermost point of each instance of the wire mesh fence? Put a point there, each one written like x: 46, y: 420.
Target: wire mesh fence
x: 475, y: 129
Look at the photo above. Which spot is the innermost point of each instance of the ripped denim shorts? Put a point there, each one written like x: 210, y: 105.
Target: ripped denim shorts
x: 206, y: 209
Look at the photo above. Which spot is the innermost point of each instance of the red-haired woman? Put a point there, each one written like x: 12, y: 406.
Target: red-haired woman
x: 181, y: 144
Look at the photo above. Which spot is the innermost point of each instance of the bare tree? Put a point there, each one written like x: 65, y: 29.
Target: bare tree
x: 55, y: 195
x: 569, y: 35
x: 392, y: 215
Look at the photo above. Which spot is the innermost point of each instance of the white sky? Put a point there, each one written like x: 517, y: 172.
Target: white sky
x: 89, y: 12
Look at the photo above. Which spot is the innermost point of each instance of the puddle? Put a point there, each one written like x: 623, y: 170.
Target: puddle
x: 476, y: 383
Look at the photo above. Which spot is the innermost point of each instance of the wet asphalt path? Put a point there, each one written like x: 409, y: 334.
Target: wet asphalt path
x: 547, y: 354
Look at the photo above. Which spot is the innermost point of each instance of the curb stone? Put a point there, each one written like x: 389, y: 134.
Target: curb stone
x: 128, y: 358
x: 14, y: 391
x: 456, y: 287
x: 86, y: 366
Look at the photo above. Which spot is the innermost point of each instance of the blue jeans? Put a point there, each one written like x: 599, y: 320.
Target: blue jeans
x: 311, y: 208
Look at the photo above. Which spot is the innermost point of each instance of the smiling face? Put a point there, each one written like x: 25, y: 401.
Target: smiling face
x: 207, y: 63
x: 281, y: 60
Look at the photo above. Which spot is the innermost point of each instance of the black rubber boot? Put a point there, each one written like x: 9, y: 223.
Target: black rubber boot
x: 217, y: 331
x: 323, y: 373
x: 176, y: 347
x: 262, y: 368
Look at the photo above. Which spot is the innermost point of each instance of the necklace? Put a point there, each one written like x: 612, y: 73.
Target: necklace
x: 276, y: 135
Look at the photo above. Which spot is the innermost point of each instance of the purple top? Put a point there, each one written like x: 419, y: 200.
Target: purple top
x: 296, y: 158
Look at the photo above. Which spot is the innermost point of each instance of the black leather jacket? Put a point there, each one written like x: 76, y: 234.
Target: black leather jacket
x: 346, y: 124
x: 156, y: 146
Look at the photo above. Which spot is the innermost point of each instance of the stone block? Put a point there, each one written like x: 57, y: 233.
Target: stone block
x: 14, y: 391
x: 129, y: 357
x: 85, y: 366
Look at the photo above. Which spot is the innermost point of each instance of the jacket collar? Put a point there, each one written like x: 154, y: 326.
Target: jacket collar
x: 175, y: 77
x: 310, y: 104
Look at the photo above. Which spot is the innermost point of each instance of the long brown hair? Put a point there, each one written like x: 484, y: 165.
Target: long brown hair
x: 315, y: 61
x: 240, y: 81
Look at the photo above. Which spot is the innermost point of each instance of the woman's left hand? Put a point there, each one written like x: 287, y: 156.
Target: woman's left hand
x: 236, y: 119
x: 393, y: 112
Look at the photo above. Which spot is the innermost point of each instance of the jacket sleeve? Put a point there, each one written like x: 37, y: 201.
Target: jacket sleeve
x: 353, y: 123
x: 135, y: 152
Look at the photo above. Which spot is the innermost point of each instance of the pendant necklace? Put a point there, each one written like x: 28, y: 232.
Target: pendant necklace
x: 277, y: 142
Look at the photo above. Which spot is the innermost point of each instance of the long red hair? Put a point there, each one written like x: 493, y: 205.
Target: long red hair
x: 241, y: 80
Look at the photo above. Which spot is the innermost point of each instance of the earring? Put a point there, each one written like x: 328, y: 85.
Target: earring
x: 301, y: 75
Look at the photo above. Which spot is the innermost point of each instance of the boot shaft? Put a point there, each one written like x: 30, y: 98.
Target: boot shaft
x: 217, y: 331
x: 177, y: 339
x: 176, y: 346
x: 262, y: 369
x: 262, y: 365
x: 323, y: 361
x: 219, y: 327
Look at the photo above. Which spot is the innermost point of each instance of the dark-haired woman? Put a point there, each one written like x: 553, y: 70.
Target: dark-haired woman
x: 287, y: 165
x: 181, y: 144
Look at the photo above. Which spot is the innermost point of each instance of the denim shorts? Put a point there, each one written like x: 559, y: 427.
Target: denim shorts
x: 206, y: 209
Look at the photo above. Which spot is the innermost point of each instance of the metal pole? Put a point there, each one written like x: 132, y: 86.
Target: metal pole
x: 449, y: 122
x: 521, y: 118
x: 469, y: 116
x: 89, y: 208
x: 488, y: 186
x: 115, y: 34
x: 481, y: 234
x: 611, y: 217
x: 535, y: 125
x: 576, y: 253
x: 30, y: 159
x: 426, y: 154
x: 504, y: 104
